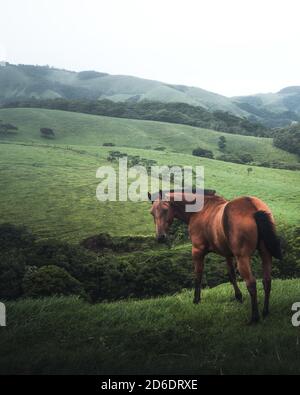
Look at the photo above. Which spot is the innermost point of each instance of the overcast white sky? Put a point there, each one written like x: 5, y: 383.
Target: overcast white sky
x: 233, y: 47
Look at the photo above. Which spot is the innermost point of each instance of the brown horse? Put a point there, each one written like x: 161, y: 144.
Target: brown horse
x: 232, y: 229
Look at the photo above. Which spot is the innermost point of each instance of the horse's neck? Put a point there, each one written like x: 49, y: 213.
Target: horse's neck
x: 180, y: 207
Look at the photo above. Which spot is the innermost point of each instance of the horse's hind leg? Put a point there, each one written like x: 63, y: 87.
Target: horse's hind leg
x: 266, y: 258
x: 232, y: 279
x: 198, y: 260
x: 244, y: 267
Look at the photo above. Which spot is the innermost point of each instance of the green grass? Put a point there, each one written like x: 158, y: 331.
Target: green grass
x: 158, y: 336
x: 52, y: 190
x: 83, y: 129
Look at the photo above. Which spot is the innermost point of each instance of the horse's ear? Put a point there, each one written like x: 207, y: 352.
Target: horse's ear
x: 149, y: 196
x: 160, y: 194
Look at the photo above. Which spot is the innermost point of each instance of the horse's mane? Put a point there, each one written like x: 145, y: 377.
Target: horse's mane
x: 207, y: 192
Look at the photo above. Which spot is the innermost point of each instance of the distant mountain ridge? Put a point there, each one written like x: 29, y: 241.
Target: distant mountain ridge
x: 23, y: 82
x: 18, y: 82
x: 272, y: 109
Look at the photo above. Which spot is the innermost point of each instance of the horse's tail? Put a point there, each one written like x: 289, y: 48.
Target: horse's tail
x: 267, y: 233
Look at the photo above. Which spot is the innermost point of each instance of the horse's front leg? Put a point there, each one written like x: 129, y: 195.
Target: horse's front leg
x: 198, y: 260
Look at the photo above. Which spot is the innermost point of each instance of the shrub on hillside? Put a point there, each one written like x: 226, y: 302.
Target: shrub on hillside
x: 229, y: 158
x: 47, y: 133
x: 241, y: 158
x: 203, y: 153
x: 222, y: 143
x: 246, y: 158
x: 50, y: 281
x: 290, y: 242
x: 7, y: 128
x: 109, y: 145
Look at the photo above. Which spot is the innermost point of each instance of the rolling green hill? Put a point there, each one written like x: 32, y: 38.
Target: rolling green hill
x: 82, y: 129
x: 24, y: 81
x: 167, y: 335
x: 49, y: 185
x: 180, y: 113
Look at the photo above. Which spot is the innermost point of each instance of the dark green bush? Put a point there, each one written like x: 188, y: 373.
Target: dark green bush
x: 47, y: 133
x: 7, y: 129
x: 290, y: 242
x: 246, y: 157
x: 12, y: 271
x: 203, y: 153
x: 49, y: 281
x: 229, y: 158
x: 109, y: 145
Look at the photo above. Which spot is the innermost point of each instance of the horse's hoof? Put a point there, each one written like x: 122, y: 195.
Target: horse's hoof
x: 196, y: 301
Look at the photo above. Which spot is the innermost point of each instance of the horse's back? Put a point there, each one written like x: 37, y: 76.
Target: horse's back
x: 248, y: 203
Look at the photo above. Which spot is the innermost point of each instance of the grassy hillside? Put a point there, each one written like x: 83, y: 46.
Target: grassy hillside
x: 180, y: 113
x: 25, y: 81
x: 83, y: 129
x: 163, y: 335
x: 51, y: 189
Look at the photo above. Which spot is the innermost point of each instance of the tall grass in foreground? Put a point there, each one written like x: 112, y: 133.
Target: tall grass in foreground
x: 163, y: 335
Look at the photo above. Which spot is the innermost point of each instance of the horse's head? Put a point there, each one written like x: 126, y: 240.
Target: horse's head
x: 163, y: 215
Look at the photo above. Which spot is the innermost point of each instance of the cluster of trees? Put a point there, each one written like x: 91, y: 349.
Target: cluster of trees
x: 288, y: 139
x: 242, y: 158
x: 180, y: 113
x: 133, y: 160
